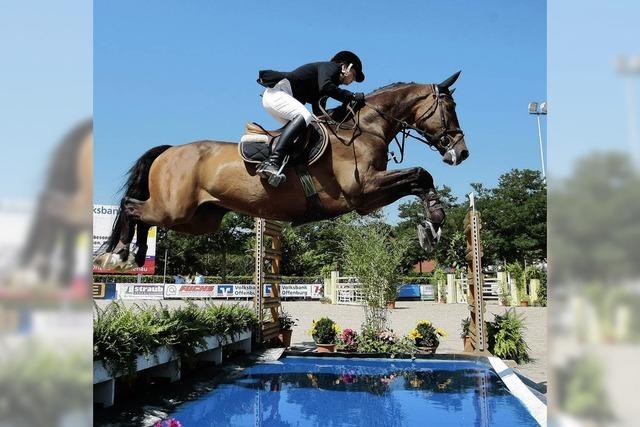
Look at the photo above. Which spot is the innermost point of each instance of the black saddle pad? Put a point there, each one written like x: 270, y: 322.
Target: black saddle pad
x: 308, y: 148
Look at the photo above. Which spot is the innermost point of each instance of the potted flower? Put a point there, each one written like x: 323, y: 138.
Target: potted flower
x: 465, y: 335
x: 286, y: 323
x: 524, y: 301
x: 325, y: 332
x: 348, y: 340
x: 426, y: 336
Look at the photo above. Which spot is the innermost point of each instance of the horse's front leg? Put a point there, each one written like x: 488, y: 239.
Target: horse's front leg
x: 385, y: 187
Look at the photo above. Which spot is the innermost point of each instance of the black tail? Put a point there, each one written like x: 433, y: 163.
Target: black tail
x: 137, y: 187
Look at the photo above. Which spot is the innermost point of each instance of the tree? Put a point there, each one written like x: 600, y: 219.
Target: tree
x: 228, y: 251
x: 373, y: 256
x: 514, y: 217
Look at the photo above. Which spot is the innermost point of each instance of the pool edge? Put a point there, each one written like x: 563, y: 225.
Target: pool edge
x: 534, y: 406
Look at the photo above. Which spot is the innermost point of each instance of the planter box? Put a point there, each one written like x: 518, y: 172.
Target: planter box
x: 165, y: 362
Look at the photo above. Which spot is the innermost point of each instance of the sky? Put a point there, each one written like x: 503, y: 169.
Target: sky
x: 46, y: 82
x: 170, y: 72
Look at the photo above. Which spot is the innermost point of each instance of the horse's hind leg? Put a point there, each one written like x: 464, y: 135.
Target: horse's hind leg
x: 142, y: 233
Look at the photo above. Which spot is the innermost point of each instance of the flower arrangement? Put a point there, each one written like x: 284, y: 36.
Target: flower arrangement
x: 324, y: 331
x: 349, y: 340
x: 387, y: 336
x: 427, y: 335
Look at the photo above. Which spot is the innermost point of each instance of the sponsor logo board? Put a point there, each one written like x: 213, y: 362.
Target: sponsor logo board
x: 140, y: 290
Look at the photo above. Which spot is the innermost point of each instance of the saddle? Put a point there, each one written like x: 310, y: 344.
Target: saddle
x: 255, y: 144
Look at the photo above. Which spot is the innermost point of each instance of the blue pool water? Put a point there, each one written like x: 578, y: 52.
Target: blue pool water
x: 309, y: 391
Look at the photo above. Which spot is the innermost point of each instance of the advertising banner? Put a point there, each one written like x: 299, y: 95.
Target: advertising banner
x: 189, y: 291
x: 427, y: 293
x: 103, y: 219
x: 227, y: 290
x: 140, y: 290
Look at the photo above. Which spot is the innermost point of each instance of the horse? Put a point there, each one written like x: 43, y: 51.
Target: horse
x: 189, y: 188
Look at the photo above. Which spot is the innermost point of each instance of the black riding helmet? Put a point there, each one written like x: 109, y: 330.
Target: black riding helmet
x: 348, y: 57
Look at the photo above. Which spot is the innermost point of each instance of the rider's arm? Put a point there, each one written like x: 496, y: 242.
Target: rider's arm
x: 327, y: 74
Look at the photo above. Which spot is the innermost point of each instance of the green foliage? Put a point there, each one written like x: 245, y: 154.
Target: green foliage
x: 229, y: 251
x: 465, y: 324
x: 506, y: 339
x: 129, y: 278
x: 121, y: 333
x: 373, y: 340
x: 514, y: 217
x: 540, y: 274
x: 374, y: 257
x: 324, y: 331
x: 286, y: 321
x: 516, y: 272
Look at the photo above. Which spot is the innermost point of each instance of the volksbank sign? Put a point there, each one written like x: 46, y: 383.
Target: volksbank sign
x: 103, y: 218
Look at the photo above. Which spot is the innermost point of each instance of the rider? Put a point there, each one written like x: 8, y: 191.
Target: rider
x: 287, y: 92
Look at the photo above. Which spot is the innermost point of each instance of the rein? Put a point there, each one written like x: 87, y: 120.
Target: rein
x: 442, y: 138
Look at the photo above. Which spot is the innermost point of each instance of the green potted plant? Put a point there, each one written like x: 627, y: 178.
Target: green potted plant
x: 505, y: 337
x: 427, y: 336
x: 286, y: 324
x: 325, y: 332
x: 524, y: 301
x: 466, y: 334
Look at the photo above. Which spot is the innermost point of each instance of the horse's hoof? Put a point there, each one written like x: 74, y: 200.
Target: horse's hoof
x: 428, y: 236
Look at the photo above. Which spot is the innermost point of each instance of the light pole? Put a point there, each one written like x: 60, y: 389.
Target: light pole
x: 630, y: 68
x: 539, y: 110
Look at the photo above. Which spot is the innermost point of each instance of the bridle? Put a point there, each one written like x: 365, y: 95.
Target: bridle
x: 445, y: 138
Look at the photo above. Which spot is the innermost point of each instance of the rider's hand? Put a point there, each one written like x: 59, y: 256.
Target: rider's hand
x: 359, y: 98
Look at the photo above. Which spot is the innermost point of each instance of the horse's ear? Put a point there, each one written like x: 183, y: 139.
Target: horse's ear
x: 451, y: 80
x: 452, y: 90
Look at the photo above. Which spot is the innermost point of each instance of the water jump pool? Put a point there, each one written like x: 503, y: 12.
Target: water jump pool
x: 313, y: 391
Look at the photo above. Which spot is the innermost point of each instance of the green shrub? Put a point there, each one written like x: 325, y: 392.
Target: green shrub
x: 505, y: 337
x: 324, y: 331
x: 120, y: 333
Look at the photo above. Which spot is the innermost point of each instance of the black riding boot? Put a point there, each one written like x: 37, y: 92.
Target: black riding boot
x: 281, y: 148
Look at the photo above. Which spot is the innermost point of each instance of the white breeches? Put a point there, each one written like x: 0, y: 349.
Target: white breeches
x: 280, y: 103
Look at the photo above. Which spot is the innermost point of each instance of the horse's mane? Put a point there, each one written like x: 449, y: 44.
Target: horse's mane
x: 389, y: 87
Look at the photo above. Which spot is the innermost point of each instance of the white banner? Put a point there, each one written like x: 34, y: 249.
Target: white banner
x: 139, y: 290
x: 103, y: 219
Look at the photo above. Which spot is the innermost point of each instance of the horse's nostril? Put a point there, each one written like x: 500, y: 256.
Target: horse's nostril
x: 464, y: 154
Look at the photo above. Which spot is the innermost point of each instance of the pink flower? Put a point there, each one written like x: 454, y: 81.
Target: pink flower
x: 171, y: 422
